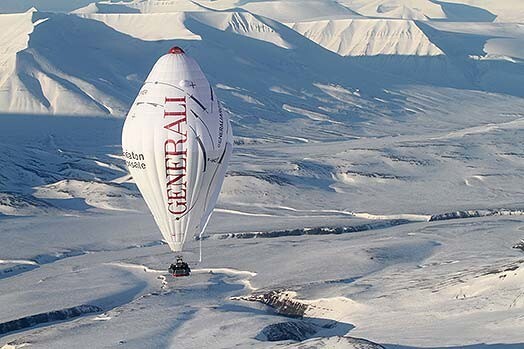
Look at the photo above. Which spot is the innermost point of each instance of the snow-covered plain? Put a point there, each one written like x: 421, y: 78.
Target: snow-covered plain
x: 375, y: 191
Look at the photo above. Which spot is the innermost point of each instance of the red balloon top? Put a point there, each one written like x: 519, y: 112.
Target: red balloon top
x: 176, y: 50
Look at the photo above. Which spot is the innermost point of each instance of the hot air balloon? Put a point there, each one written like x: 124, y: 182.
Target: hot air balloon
x: 177, y: 142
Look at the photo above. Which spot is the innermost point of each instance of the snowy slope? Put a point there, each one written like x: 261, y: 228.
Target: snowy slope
x: 140, y: 6
x: 385, y: 286
x: 147, y: 28
x: 50, y: 69
x: 505, y: 11
x: 281, y: 10
x: 368, y: 37
x: 293, y: 10
x: 405, y: 9
x: 15, y: 39
x: 15, y: 6
x: 504, y: 40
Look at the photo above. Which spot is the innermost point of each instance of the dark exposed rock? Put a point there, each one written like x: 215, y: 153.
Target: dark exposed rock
x: 313, y: 231
x: 291, y: 330
x: 280, y: 301
x: 505, y: 268
x: 476, y: 213
x: 377, y: 175
x: 51, y: 316
x: 305, y: 330
x: 519, y: 245
x: 365, y: 227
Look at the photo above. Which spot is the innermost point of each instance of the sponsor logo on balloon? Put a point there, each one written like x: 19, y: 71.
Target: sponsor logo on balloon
x: 220, y: 125
x: 175, y: 154
x: 134, y: 160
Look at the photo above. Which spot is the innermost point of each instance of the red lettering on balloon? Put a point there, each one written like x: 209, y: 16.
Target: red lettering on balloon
x: 175, y: 155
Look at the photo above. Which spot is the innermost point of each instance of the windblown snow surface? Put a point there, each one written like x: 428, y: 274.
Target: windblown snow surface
x: 373, y: 199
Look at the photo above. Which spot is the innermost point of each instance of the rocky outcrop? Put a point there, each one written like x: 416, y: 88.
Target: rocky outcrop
x: 313, y: 231
x: 51, y: 316
x: 291, y: 330
x: 519, y: 245
x: 280, y: 301
x: 476, y: 213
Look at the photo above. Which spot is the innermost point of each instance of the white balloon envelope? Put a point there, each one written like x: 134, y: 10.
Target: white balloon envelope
x: 177, y: 141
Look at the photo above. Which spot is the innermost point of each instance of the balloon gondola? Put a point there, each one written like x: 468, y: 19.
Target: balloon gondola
x: 179, y: 268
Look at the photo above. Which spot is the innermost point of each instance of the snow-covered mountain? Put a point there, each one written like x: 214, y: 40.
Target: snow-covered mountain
x: 375, y: 189
x: 44, y: 66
